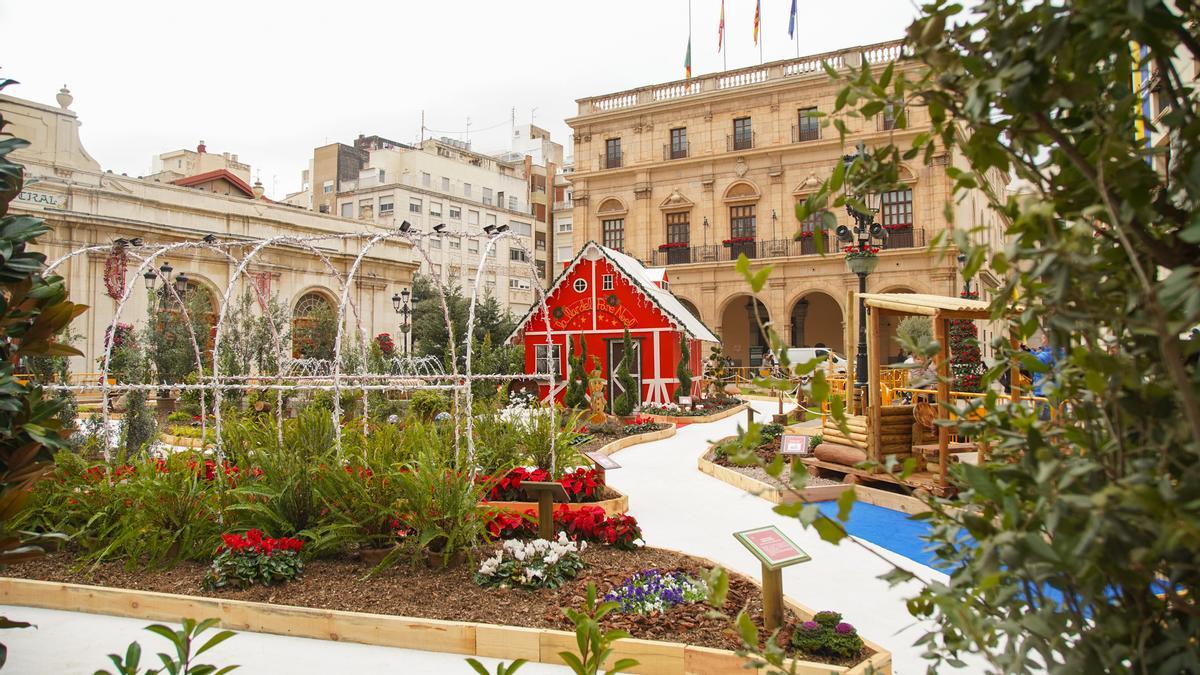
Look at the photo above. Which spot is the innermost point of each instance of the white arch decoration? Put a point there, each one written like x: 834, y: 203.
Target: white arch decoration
x: 400, y: 373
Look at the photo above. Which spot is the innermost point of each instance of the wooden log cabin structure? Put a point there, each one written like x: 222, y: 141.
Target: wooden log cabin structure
x: 900, y: 431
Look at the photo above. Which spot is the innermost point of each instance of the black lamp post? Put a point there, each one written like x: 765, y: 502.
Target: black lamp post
x: 962, y: 263
x: 865, y: 231
x: 400, y: 304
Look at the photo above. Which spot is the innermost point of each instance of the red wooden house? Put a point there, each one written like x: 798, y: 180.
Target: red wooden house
x: 598, y: 295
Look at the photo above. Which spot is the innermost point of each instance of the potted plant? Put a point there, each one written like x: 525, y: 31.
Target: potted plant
x: 861, y: 258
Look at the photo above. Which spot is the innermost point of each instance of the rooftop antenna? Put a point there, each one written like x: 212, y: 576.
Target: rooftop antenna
x: 468, y: 132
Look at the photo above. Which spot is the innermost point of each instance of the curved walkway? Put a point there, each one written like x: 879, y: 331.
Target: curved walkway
x: 681, y: 508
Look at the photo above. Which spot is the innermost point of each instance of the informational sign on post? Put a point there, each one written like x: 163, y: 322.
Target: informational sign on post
x: 795, y: 445
x: 772, y: 547
x: 602, y: 461
x: 775, y: 551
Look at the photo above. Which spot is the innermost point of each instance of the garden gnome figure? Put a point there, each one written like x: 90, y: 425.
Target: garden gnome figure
x: 596, y: 386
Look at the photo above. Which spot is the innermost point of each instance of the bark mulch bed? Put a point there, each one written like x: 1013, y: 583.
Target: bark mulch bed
x: 450, y: 594
x: 599, y: 440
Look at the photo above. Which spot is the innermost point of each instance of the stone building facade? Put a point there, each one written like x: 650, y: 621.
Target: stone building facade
x: 690, y: 174
x: 86, y: 206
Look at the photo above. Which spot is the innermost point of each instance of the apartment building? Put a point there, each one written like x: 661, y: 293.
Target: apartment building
x: 688, y: 175
x: 435, y: 182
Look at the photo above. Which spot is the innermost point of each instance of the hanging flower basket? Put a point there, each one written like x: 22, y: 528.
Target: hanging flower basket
x: 674, y: 244
x: 809, y: 234
x: 862, y: 259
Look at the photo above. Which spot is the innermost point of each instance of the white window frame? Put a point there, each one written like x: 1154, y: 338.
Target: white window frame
x: 580, y: 285
x: 606, y: 282
x: 544, y: 355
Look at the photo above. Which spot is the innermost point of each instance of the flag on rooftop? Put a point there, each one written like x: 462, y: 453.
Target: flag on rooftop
x: 757, y: 13
x: 792, y: 21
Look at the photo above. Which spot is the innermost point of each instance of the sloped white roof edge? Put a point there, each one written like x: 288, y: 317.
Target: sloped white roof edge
x: 643, y: 278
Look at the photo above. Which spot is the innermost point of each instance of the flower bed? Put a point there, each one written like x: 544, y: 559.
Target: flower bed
x: 336, y: 587
x: 702, y: 414
x: 756, y: 481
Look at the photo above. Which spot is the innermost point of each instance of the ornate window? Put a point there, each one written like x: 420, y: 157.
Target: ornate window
x: 678, y: 228
x: 548, y: 359
x: 743, y: 136
x: 741, y: 222
x: 809, y: 125
x: 614, y: 233
x: 896, y: 209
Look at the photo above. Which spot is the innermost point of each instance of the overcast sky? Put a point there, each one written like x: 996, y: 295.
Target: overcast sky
x: 272, y: 80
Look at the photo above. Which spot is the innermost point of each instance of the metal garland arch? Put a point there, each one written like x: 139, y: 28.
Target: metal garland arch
x: 304, y: 374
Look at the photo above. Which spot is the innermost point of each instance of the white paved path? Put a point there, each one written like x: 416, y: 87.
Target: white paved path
x: 74, y: 643
x: 681, y: 508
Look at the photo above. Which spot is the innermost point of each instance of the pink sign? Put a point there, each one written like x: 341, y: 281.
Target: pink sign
x: 794, y: 444
x: 772, y: 547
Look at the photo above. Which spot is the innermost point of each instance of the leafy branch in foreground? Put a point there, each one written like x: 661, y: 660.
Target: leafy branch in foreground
x: 180, y: 663
x: 1076, y: 547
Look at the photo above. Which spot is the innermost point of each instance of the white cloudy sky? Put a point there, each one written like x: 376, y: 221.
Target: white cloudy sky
x: 272, y: 80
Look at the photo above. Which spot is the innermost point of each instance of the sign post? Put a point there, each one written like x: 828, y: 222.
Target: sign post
x: 775, y: 551
x: 545, y: 492
x: 603, y: 464
x: 749, y: 415
x: 794, y: 445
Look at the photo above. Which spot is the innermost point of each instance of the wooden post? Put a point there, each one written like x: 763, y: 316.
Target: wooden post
x: 772, y: 593
x: 749, y: 415
x: 545, y: 493
x: 874, y: 398
x: 943, y: 393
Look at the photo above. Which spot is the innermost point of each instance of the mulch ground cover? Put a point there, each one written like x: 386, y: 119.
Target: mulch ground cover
x: 599, y: 440
x: 449, y: 594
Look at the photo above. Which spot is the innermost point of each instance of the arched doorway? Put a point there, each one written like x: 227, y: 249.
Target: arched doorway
x: 314, y: 327
x: 818, y: 321
x: 741, y: 337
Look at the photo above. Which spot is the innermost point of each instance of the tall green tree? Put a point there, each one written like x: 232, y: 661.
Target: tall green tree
x: 33, y: 310
x: 630, y: 396
x: 576, y: 393
x: 683, y: 371
x: 1074, y: 550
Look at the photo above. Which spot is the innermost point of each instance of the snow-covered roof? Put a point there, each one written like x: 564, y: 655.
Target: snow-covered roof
x: 645, y: 279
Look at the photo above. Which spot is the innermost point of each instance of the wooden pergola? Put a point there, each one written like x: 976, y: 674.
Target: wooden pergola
x: 941, y: 310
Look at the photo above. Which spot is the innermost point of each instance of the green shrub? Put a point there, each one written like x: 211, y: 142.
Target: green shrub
x: 245, y: 560
x: 535, y: 432
x: 441, y: 506
x: 827, y: 635
x: 425, y: 404
x: 180, y: 417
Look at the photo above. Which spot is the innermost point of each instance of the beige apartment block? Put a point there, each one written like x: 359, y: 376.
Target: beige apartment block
x: 86, y: 206
x: 714, y: 166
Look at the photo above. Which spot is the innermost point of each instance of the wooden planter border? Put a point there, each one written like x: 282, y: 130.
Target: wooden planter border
x: 771, y: 493
x: 819, y: 493
x: 700, y: 419
x: 456, y: 637
x: 181, y: 441
x: 619, y: 444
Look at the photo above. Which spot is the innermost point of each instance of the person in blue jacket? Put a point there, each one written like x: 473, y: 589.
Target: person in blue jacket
x: 1046, y: 356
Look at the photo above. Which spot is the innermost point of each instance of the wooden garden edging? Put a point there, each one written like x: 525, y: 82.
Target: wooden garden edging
x: 181, y: 441
x: 636, y: 439
x: 818, y: 493
x: 771, y: 493
x: 456, y: 637
x: 699, y: 419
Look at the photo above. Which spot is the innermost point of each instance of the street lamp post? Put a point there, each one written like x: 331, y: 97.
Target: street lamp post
x: 400, y: 304
x: 865, y: 231
x: 962, y: 263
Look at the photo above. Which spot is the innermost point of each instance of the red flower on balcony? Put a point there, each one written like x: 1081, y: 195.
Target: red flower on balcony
x: 674, y: 244
x: 738, y: 240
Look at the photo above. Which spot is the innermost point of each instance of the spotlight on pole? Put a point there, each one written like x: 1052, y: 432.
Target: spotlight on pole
x: 489, y: 229
x: 439, y: 228
x: 405, y: 226
x: 502, y: 229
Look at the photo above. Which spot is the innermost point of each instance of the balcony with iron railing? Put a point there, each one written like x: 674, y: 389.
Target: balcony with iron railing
x: 801, y: 133
x: 852, y: 57
x: 677, y: 151
x: 772, y: 248
x: 742, y: 141
x: 611, y: 160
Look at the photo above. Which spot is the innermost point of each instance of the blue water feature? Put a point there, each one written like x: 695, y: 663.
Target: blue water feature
x: 888, y: 529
